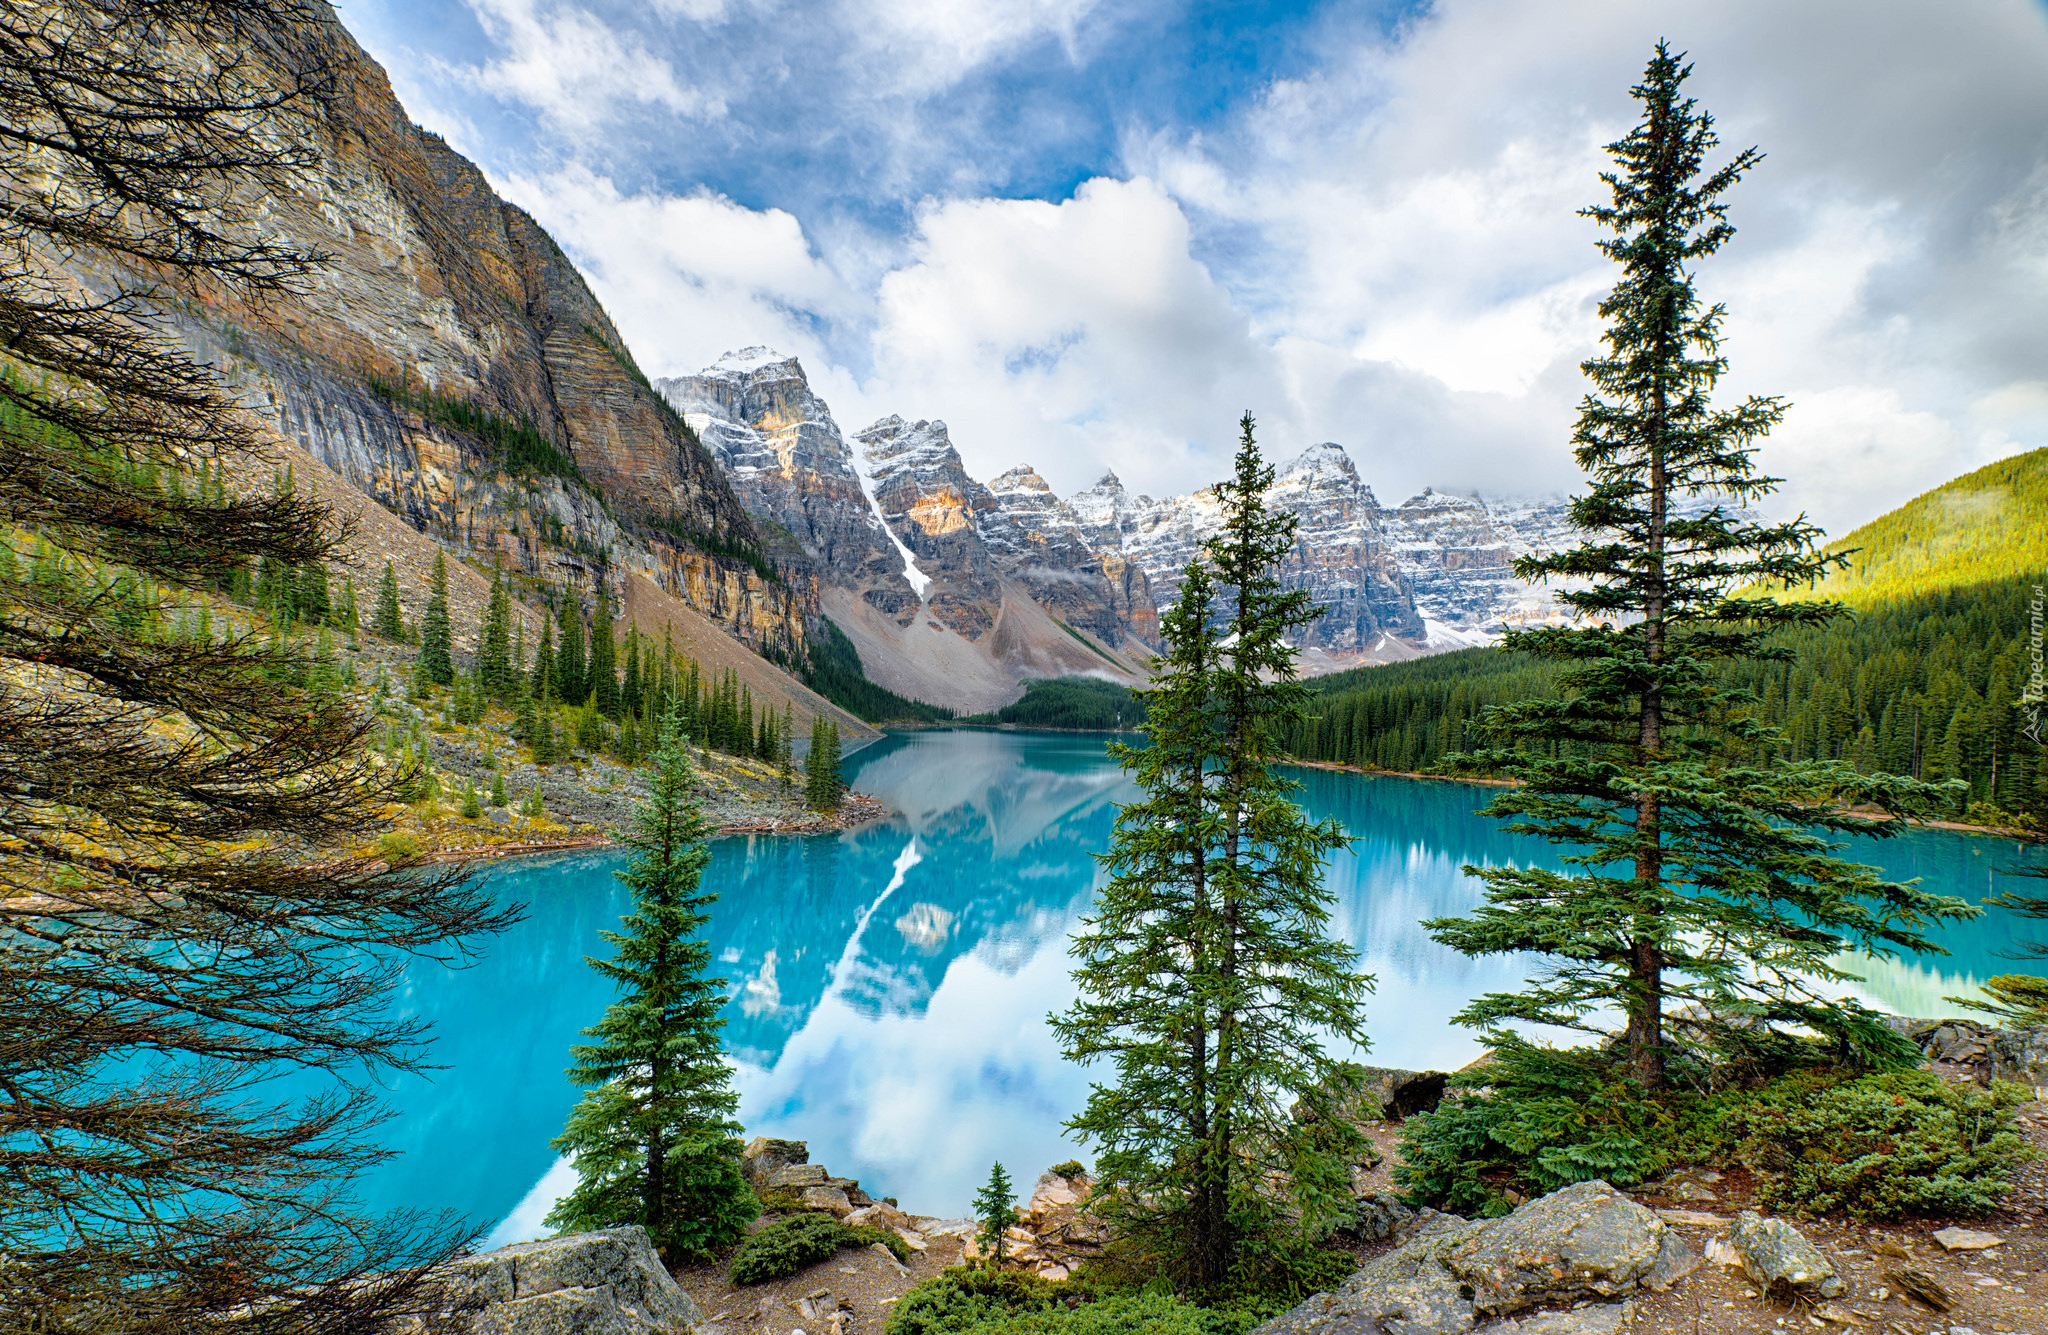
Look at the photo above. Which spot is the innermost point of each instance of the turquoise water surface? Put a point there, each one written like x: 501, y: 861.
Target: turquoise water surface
x: 889, y: 985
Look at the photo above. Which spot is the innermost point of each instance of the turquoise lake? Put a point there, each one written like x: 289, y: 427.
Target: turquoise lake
x: 889, y: 985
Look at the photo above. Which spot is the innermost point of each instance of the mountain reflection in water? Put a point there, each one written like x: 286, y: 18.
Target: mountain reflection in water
x: 889, y: 985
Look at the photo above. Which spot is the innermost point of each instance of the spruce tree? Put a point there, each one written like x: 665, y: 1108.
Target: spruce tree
x: 1206, y: 975
x: 995, y: 1207
x: 604, y: 669
x: 389, y: 619
x: 1699, y: 873
x: 822, y: 786
x: 437, y: 639
x: 571, y: 667
x: 540, y: 736
x: 630, y: 689
x: 494, y: 643
x: 653, y: 1140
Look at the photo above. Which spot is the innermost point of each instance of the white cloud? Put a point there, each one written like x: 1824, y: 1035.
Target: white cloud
x: 1075, y: 336
x: 688, y: 277
x: 1383, y: 251
x: 574, y: 68
x: 921, y: 44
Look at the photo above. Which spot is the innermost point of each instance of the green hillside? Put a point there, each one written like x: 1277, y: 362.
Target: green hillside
x: 1926, y: 686
x: 1984, y: 526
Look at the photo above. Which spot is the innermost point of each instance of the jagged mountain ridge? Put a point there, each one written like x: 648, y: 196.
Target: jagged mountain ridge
x: 921, y: 563
x: 953, y: 592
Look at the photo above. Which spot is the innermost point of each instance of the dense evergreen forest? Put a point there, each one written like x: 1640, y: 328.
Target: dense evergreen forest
x: 1072, y: 702
x: 831, y: 666
x: 1925, y: 685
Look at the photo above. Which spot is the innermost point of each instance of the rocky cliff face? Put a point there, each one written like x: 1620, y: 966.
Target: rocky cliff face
x: 791, y: 468
x: 926, y: 497
x: 1457, y: 553
x: 1041, y: 541
x: 451, y: 363
x: 1340, y: 556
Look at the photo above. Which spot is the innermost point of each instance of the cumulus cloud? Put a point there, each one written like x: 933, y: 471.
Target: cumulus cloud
x: 687, y: 277
x: 572, y: 67
x: 1075, y: 336
x: 1381, y: 248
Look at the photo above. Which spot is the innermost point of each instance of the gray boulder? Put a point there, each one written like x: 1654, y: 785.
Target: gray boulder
x: 1587, y: 1241
x: 764, y: 1156
x: 609, y: 1282
x: 1779, y: 1260
x: 2021, y: 1056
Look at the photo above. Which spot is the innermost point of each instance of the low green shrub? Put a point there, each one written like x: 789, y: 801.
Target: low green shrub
x: 1538, y: 1119
x: 398, y: 848
x: 1883, y: 1146
x: 789, y: 1245
x: 1070, y: 1168
x: 1877, y: 1146
x: 977, y: 1302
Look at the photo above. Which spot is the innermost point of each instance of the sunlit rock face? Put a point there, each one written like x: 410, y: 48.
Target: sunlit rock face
x: 436, y: 292
x: 926, y: 497
x: 793, y: 471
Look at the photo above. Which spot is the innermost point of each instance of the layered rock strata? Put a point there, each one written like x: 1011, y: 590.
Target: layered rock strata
x: 926, y: 497
x: 609, y: 1282
x: 451, y: 363
x: 1341, y: 557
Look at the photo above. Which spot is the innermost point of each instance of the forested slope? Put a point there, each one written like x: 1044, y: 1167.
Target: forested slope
x: 1924, y: 685
x: 1982, y: 527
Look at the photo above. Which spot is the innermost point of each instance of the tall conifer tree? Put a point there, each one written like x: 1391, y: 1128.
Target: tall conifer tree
x: 388, y: 620
x: 1207, y: 976
x: 494, y: 643
x: 572, y: 683
x: 653, y: 1140
x: 1699, y: 874
x: 604, y: 665
x: 437, y: 637
x: 630, y: 690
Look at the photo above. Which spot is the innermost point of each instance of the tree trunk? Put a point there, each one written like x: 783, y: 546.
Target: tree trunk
x: 1646, y: 975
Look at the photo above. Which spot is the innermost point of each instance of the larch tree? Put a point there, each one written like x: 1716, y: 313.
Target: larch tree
x: 1698, y: 873
x: 1206, y: 973
x: 653, y: 1138
x: 174, y: 927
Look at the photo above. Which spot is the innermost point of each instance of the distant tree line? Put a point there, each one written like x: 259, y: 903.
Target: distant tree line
x: 1924, y: 686
x: 1082, y: 703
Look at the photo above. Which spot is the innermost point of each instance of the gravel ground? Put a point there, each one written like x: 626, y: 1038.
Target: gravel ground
x: 1999, y: 1289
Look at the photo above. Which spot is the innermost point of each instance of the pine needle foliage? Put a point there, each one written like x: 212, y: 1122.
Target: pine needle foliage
x: 1206, y: 975
x: 388, y: 620
x: 176, y: 926
x: 437, y: 636
x: 1697, y: 875
x: 995, y: 1206
x: 654, y: 1140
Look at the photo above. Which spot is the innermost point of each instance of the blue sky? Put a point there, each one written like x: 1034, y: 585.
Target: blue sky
x: 1088, y: 233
